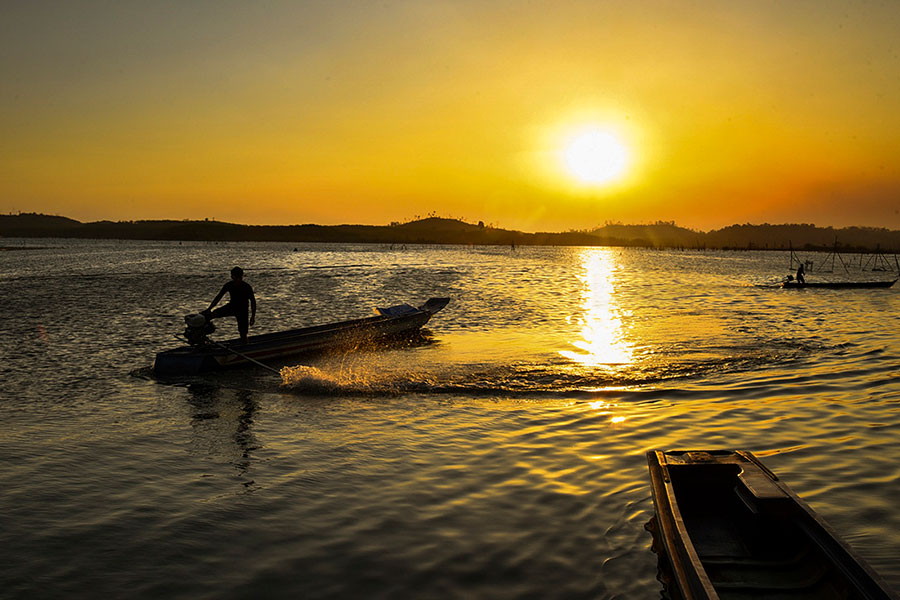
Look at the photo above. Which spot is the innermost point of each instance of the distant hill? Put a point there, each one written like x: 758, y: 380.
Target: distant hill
x: 440, y: 224
x: 758, y: 237
x: 36, y: 225
x: 437, y: 230
x: 433, y: 230
x: 803, y: 236
x: 660, y: 234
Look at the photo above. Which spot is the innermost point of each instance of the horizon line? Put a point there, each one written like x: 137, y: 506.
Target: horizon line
x: 417, y: 219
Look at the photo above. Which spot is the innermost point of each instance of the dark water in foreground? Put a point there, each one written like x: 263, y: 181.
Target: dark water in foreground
x: 504, y: 459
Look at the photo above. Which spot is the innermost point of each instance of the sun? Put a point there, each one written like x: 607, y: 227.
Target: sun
x: 595, y: 156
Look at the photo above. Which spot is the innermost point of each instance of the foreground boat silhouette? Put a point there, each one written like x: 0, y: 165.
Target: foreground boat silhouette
x: 838, y: 285
x: 726, y: 527
x: 205, y: 355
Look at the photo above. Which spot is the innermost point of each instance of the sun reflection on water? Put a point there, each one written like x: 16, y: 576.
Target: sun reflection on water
x: 602, y: 331
x: 605, y: 408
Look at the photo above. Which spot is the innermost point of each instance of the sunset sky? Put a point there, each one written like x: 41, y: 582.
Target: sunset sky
x: 540, y: 115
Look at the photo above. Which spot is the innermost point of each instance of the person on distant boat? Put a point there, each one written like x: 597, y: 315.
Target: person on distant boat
x: 800, y: 273
x: 241, y: 299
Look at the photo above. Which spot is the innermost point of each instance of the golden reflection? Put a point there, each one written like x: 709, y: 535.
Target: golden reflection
x: 602, y: 331
x: 605, y: 408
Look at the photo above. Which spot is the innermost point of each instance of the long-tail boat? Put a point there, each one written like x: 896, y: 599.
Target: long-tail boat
x: 202, y: 354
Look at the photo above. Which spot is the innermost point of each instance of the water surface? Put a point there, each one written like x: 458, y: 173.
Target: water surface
x: 502, y: 458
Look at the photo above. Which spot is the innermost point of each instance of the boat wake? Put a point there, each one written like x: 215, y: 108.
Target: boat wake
x: 667, y: 372
x: 312, y: 379
x: 358, y: 380
x: 709, y: 370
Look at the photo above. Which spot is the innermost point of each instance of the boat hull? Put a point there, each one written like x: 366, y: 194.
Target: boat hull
x: 727, y: 527
x: 837, y: 285
x: 189, y: 360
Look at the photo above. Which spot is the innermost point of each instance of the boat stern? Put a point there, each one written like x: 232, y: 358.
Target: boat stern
x: 173, y: 363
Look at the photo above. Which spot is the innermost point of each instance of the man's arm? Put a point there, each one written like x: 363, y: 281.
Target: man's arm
x: 252, y: 307
x: 218, y: 296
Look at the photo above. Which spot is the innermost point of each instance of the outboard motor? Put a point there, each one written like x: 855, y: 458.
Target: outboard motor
x: 198, y: 327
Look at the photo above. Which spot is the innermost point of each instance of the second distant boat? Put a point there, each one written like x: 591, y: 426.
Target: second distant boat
x: 838, y: 285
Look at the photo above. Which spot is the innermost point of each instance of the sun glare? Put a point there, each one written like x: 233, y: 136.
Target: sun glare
x: 602, y: 336
x: 595, y: 156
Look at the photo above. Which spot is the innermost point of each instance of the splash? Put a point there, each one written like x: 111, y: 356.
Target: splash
x: 359, y: 379
x: 311, y: 378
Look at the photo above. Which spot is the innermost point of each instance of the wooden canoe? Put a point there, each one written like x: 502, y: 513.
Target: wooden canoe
x: 727, y: 527
x: 391, y: 322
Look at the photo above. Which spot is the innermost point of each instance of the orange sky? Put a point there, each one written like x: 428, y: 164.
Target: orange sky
x: 337, y: 112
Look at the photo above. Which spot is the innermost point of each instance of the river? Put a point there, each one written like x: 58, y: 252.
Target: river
x: 504, y: 457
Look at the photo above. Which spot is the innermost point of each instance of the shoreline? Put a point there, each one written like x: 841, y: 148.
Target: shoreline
x: 438, y: 231
x: 643, y: 244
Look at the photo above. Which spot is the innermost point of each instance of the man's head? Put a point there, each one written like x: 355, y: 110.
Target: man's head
x: 237, y: 273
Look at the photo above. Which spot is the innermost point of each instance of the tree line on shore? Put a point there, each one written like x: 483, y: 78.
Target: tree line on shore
x: 437, y: 230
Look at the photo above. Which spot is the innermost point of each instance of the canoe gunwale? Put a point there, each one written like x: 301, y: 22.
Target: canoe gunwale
x: 675, y: 539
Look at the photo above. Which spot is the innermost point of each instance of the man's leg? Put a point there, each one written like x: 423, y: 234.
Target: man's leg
x: 223, y: 311
x: 243, y: 321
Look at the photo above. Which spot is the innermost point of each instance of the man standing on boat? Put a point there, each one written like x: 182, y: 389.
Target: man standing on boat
x: 800, y: 272
x: 240, y: 299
